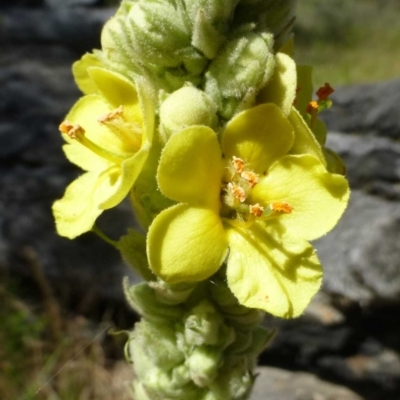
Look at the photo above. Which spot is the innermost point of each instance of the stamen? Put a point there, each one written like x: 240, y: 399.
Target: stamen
x: 72, y: 130
x: 251, y: 177
x: 281, y: 207
x: 256, y: 210
x: 324, y: 91
x: 237, y: 191
x: 312, y: 108
x: 76, y: 132
x: 238, y: 164
x: 111, y: 115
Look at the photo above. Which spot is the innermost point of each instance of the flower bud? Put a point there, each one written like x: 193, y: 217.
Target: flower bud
x: 158, y: 31
x: 203, y: 364
x: 240, y: 70
x: 153, y: 38
x: 185, y: 107
x: 210, y: 20
x: 202, y: 325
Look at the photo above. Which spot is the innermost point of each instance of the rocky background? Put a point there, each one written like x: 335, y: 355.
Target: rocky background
x: 350, y: 335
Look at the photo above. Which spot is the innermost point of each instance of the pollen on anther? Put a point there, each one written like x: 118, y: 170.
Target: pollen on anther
x: 237, y: 191
x: 111, y: 115
x: 238, y: 164
x: 70, y: 129
x: 312, y: 107
x: 324, y: 91
x: 256, y: 210
x: 251, y: 177
x: 281, y: 207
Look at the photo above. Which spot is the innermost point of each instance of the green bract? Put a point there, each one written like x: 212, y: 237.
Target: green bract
x: 109, y: 134
x: 248, y: 202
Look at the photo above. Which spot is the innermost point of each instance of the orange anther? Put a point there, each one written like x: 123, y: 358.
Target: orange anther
x: 237, y: 192
x: 312, y: 108
x: 324, y: 91
x: 238, y: 164
x: 256, y: 210
x: 282, y: 207
x: 70, y: 129
x: 250, y: 177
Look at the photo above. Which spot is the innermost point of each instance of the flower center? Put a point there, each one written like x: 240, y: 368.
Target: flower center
x: 237, y: 185
x: 128, y: 133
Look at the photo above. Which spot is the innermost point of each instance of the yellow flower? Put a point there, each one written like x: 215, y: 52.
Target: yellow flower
x: 109, y: 134
x: 248, y: 202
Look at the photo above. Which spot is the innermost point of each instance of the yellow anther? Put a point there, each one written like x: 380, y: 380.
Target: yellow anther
x: 251, y: 177
x: 70, y: 129
x: 281, y: 207
x: 237, y: 191
x: 111, y: 115
x: 256, y: 210
x: 238, y: 164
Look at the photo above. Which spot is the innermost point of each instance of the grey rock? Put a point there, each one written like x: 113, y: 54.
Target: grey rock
x: 77, y: 28
x: 361, y: 256
x: 70, y: 3
x: 370, y: 108
x: 373, y: 163
x: 278, y: 384
x: 84, y: 271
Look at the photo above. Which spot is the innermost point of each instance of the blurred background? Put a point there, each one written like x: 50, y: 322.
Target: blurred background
x: 59, y: 299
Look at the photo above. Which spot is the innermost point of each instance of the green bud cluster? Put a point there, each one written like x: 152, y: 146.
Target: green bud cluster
x: 223, y: 47
x: 194, y: 342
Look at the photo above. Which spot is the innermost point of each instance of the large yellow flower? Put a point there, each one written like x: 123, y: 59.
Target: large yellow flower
x: 109, y: 134
x: 248, y: 202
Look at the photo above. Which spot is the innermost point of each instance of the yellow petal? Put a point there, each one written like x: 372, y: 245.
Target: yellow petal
x: 122, y: 180
x: 259, y: 136
x: 84, y: 158
x: 190, y: 169
x: 281, y: 88
x: 117, y: 91
x: 86, y: 112
x: 318, y: 197
x: 186, y: 244
x: 80, y: 72
x: 269, y: 271
x: 76, y: 212
x: 304, y: 83
x: 148, y: 99
x: 304, y: 140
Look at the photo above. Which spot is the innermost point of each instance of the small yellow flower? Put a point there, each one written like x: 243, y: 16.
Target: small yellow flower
x: 248, y: 202
x: 109, y: 134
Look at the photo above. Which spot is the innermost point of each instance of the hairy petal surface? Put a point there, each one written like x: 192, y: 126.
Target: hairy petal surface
x: 318, y: 197
x: 186, y: 244
x: 125, y: 178
x: 190, y: 168
x: 80, y: 72
x: 304, y: 140
x: 117, y: 90
x: 270, y: 271
x: 281, y: 88
x: 75, y: 213
x: 259, y: 136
